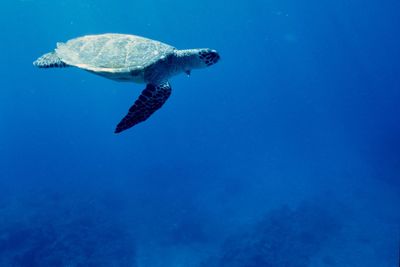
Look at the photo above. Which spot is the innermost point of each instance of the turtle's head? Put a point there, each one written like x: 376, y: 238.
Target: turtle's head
x: 197, y: 58
x: 206, y: 57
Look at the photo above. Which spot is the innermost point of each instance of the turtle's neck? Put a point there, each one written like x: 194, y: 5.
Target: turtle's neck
x: 178, y: 62
x: 185, y: 60
x: 185, y: 53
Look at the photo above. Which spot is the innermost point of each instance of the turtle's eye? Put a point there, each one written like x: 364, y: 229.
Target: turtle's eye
x: 209, y: 57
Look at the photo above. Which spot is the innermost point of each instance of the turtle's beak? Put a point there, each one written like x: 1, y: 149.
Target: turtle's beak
x: 216, y: 55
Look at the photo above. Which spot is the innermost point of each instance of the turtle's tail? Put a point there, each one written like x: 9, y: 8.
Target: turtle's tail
x: 49, y: 60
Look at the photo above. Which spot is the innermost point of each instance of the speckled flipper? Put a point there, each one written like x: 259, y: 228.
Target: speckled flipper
x: 151, y: 99
x: 49, y: 60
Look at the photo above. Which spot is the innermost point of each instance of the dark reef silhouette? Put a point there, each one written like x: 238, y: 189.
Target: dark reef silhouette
x: 59, y: 232
x: 284, y: 237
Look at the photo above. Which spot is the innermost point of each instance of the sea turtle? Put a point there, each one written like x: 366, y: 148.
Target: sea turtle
x: 124, y: 57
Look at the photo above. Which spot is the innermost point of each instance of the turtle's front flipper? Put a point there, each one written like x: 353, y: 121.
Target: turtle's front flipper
x: 49, y: 60
x: 151, y: 99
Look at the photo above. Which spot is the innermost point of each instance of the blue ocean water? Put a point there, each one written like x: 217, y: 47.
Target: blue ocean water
x: 285, y: 153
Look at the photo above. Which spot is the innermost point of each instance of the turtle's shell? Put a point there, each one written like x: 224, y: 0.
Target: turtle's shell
x: 113, y: 53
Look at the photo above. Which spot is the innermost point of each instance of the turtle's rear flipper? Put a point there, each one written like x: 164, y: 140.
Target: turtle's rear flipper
x: 151, y: 99
x: 49, y: 60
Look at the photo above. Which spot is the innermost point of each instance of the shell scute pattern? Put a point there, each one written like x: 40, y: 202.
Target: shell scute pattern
x: 112, y: 52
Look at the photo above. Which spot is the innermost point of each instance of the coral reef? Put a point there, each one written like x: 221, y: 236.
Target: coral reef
x: 63, y: 232
x: 284, y: 237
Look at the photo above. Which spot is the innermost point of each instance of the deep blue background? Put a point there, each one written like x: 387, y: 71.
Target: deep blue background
x: 297, y: 126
